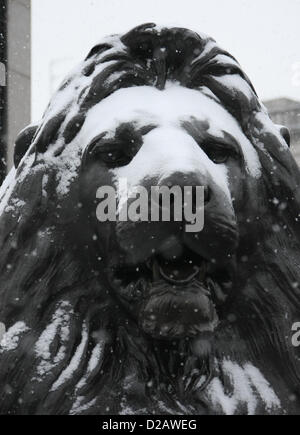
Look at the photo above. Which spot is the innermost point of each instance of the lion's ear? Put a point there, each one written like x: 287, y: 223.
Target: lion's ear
x: 23, y: 142
x: 285, y: 133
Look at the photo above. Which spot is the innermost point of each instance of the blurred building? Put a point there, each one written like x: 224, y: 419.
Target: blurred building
x: 287, y: 112
x: 15, y: 90
x: 3, y: 94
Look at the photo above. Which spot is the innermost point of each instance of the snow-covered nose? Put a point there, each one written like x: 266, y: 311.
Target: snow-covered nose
x: 170, y: 150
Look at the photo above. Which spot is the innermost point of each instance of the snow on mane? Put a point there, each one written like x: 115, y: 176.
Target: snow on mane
x: 10, y: 338
x: 74, y: 363
x: 249, y: 386
x: 59, y: 326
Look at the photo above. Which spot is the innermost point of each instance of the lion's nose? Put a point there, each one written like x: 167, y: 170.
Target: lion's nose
x: 181, y: 181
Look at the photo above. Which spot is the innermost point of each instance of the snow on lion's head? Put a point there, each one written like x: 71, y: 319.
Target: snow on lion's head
x: 145, y: 317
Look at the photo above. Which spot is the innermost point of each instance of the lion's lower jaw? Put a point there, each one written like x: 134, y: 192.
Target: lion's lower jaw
x: 164, y: 329
x: 173, y: 331
x: 172, y: 312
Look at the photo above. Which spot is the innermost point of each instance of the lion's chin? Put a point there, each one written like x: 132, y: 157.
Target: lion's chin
x: 172, y: 312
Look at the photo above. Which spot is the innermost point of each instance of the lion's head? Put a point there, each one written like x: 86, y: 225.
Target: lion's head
x: 144, y: 316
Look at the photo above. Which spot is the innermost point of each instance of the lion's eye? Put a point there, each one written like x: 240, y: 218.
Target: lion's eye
x: 218, y: 154
x: 112, y: 157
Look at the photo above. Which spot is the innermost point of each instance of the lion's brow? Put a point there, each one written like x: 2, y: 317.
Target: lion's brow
x: 125, y: 131
x: 199, y: 130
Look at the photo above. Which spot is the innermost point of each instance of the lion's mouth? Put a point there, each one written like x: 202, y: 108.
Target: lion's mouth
x: 175, y: 296
x: 178, y: 271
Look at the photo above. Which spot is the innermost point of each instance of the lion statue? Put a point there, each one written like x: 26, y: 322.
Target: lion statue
x: 136, y: 317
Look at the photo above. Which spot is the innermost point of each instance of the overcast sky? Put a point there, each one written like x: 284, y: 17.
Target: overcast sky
x: 264, y: 35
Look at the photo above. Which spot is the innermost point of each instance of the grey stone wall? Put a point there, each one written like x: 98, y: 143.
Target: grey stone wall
x: 18, y: 70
